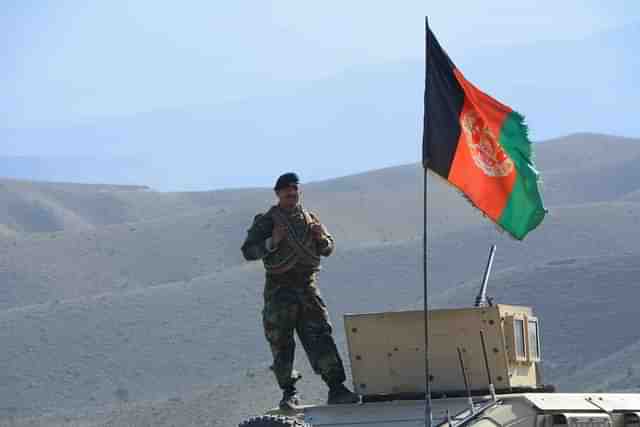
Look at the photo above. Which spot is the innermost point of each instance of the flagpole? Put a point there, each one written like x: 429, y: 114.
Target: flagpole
x: 428, y: 418
x: 428, y: 412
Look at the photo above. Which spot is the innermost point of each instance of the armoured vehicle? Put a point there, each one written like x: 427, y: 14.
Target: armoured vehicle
x: 485, y: 371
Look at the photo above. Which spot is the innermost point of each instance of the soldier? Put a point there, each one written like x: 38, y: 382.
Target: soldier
x: 290, y: 241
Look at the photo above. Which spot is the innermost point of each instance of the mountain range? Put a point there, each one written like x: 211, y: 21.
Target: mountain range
x: 121, y: 304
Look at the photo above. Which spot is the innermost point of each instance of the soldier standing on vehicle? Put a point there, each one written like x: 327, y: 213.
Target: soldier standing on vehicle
x: 290, y: 241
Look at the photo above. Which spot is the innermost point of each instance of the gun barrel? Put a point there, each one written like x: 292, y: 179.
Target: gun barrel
x: 481, y: 299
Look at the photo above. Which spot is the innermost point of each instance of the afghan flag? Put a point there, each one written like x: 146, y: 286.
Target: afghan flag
x: 479, y: 145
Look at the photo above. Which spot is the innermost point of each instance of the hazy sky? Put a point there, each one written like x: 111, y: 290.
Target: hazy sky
x: 68, y: 61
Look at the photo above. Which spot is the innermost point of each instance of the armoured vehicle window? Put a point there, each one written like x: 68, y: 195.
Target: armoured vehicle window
x: 519, y: 337
x: 534, y: 343
x: 631, y: 420
x: 581, y: 420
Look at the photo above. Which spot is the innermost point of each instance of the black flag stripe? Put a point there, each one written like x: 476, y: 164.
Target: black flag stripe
x: 443, y: 102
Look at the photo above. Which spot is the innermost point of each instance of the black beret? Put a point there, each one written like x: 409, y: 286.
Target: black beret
x: 286, y: 180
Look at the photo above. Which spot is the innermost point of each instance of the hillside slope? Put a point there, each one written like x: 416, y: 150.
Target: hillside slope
x: 123, y: 238
x: 117, y: 340
x: 124, y: 305
x: 209, y: 327
x: 565, y: 164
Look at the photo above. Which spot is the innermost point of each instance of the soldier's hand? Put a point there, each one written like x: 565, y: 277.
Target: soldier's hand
x: 318, y: 230
x: 278, y: 234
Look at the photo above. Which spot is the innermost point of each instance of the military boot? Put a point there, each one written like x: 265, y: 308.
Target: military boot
x: 341, y: 394
x: 290, y: 398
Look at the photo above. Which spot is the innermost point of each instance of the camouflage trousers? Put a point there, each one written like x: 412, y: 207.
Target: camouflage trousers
x: 292, y: 303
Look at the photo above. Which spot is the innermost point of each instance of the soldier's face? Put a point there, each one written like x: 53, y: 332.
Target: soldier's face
x: 288, y: 197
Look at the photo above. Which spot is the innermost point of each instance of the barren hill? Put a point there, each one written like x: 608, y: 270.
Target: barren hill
x: 125, y: 305
x: 66, y: 240
x: 48, y: 207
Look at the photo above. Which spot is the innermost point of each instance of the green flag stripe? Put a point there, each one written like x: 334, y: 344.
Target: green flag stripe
x: 524, y: 209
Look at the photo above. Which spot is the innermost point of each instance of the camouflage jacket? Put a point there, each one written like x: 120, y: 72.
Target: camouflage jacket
x: 299, y: 250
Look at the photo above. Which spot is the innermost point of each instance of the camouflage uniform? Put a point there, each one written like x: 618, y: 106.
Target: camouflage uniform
x: 292, y: 301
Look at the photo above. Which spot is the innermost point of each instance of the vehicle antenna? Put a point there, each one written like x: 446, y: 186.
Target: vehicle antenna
x: 492, y: 389
x: 466, y: 381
